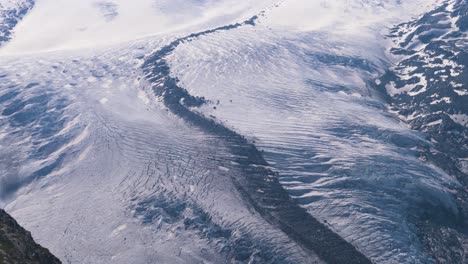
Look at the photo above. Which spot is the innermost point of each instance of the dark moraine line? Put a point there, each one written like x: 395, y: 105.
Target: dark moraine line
x: 258, y: 184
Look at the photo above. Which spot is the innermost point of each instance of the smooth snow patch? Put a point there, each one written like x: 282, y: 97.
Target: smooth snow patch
x: 461, y: 119
x: 143, y: 97
x: 461, y: 92
x: 63, y: 24
x: 350, y: 17
x: 435, y: 123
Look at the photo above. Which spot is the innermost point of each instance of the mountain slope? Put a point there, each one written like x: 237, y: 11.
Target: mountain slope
x: 306, y: 100
x: 428, y: 85
x: 11, y: 12
x: 18, y: 247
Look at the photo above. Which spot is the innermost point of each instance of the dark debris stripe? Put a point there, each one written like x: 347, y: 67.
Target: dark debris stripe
x: 273, y: 202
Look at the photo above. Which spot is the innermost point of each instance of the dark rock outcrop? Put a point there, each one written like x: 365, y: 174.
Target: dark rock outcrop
x: 17, y: 245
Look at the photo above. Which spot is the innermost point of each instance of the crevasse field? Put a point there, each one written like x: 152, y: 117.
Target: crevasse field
x: 203, y: 131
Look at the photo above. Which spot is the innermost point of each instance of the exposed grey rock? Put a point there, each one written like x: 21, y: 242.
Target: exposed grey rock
x: 18, y: 246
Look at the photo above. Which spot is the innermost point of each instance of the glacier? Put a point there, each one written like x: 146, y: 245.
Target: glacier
x: 12, y: 12
x: 235, y: 131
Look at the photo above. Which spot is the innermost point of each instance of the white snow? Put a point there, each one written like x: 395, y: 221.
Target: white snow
x: 291, y: 86
x: 116, y: 157
x: 434, y: 123
x: 444, y: 99
x: 65, y: 24
x: 103, y: 100
x: 461, y: 92
x: 350, y: 17
x: 296, y: 84
x: 11, y: 4
x: 461, y: 119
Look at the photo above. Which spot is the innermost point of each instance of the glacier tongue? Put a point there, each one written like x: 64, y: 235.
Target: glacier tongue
x: 117, y: 179
x: 306, y: 100
x: 103, y: 170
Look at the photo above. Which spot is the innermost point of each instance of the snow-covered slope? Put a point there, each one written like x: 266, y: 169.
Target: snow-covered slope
x: 427, y: 89
x: 428, y: 86
x: 102, y: 174
x: 306, y: 100
x: 228, y: 132
x: 11, y: 12
x: 64, y: 24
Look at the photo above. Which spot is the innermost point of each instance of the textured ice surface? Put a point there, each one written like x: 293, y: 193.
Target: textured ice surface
x: 303, y: 99
x: 101, y: 171
x: 63, y: 24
